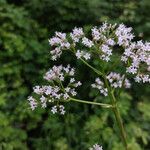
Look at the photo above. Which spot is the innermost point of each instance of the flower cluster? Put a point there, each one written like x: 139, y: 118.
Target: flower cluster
x: 106, y: 52
x: 32, y: 102
x: 137, y: 56
x: 105, y: 42
x: 61, y: 82
x: 88, y: 43
x: 79, y: 54
x: 59, y: 41
x: 102, y: 42
x: 76, y: 34
x: 58, y: 89
x: 142, y: 78
x: 58, y: 109
x: 100, y: 34
x: 117, y: 81
x: 100, y: 86
x: 96, y: 147
x: 124, y: 35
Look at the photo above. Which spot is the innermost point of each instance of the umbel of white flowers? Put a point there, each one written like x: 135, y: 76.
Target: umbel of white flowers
x: 135, y: 55
x: 55, y: 91
x: 105, y: 38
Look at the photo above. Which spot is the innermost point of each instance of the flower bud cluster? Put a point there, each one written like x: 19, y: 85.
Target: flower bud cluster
x: 96, y: 147
x: 61, y: 87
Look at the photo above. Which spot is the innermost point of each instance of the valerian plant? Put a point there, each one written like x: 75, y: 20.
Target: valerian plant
x: 102, y: 44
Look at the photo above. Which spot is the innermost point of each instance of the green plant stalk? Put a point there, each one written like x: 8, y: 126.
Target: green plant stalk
x: 93, y: 103
x: 94, y: 69
x: 117, y: 114
x: 119, y: 121
x: 113, y: 101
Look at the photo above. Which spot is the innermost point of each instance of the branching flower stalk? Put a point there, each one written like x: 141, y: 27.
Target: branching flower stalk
x: 61, y: 87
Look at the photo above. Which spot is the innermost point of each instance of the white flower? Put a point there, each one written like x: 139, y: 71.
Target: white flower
x: 72, y: 71
x: 67, y: 89
x: 61, y: 82
x: 73, y: 92
x: 60, y: 88
x: 43, y: 101
x: 53, y: 73
x: 145, y: 78
x: 87, y: 42
x: 54, y: 109
x: 72, y: 80
x: 124, y: 58
x: 132, y: 70
x: 100, y: 86
x: 32, y: 102
x: 48, y: 90
x: 66, y: 96
x: 110, y: 42
x: 96, y: 147
x: 62, y: 109
x: 87, y: 56
x: 137, y: 79
x: 79, y: 54
x: 78, y: 84
x: 124, y: 35
x: 107, y: 52
x: 142, y: 78
x: 62, y: 36
x: 95, y: 34
x: 54, y: 41
x: 117, y: 81
x: 76, y: 34
x: 60, y: 42
x: 127, y: 83
x: 67, y: 69
x: 38, y: 90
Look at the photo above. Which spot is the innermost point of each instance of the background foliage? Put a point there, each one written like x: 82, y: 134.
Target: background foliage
x: 25, y: 26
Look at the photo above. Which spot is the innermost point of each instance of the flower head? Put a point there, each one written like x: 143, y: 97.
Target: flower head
x: 59, y: 88
x: 96, y: 147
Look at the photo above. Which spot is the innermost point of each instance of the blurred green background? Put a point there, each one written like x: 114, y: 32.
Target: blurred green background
x: 25, y: 26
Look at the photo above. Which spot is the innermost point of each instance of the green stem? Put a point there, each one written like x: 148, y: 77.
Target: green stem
x: 93, y: 103
x: 119, y: 121
x: 117, y: 114
x: 113, y: 100
x: 94, y: 69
